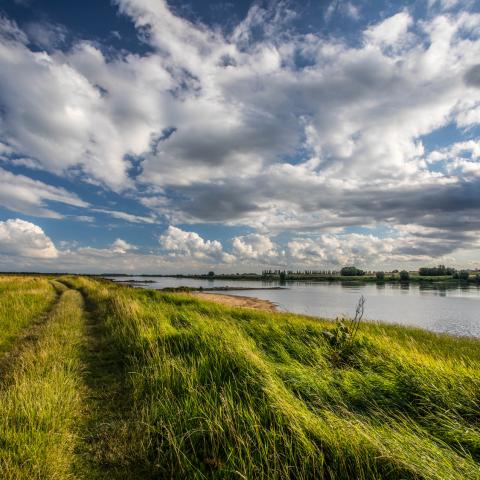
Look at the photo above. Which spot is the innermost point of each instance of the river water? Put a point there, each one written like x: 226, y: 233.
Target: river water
x: 447, y: 309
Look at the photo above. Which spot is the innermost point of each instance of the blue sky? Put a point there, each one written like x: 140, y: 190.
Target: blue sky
x: 153, y: 136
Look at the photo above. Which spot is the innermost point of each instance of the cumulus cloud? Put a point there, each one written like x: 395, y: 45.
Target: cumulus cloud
x: 180, y: 243
x: 391, y: 31
x: 25, y: 239
x: 255, y: 247
x: 331, y: 250
x: 122, y: 246
x: 64, y: 121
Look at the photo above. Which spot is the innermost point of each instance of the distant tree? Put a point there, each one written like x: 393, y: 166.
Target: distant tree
x: 380, y: 275
x: 463, y: 275
x: 211, y: 274
x: 351, y: 272
x: 404, y: 276
x: 283, y: 275
x: 439, y: 271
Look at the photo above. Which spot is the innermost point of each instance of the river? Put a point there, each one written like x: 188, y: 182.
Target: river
x: 439, y: 308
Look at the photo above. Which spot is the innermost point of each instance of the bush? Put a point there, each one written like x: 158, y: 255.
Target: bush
x: 342, y: 338
x: 380, y: 275
x: 463, y: 275
x: 404, y: 276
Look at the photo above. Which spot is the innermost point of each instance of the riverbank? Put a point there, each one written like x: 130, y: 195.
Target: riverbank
x: 238, y: 301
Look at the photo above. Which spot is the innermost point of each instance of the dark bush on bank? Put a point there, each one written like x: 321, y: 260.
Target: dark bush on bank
x: 351, y: 272
x: 404, y: 276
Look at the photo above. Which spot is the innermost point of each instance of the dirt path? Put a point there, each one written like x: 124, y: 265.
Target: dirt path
x: 238, y: 301
x: 104, y: 428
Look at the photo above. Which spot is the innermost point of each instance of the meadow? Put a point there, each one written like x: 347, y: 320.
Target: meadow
x: 100, y: 380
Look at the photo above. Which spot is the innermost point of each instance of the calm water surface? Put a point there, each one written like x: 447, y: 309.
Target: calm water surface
x: 454, y: 310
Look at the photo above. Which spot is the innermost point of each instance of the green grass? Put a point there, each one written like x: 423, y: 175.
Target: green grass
x: 123, y: 383
x: 216, y: 392
x: 22, y: 300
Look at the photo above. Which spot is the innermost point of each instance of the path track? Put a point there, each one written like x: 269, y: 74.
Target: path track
x: 41, y: 396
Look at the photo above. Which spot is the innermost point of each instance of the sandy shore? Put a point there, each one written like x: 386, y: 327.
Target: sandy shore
x: 238, y: 301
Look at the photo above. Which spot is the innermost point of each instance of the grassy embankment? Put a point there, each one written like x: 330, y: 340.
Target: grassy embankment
x: 175, y: 387
x: 22, y: 299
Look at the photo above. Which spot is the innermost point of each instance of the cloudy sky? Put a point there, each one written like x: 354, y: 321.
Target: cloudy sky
x: 155, y: 136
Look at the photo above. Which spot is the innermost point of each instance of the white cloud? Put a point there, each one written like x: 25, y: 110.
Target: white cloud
x: 180, y: 243
x: 348, y: 9
x: 25, y: 239
x: 85, y: 218
x: 254, y: 247
x: 122, y: 246
x: 128, y: 217
x: 77, y: 117
x: 461, y: 158
x: 444, y: 5
x: 393, y: 30
x: 331, y: 250
x: 22, y: 194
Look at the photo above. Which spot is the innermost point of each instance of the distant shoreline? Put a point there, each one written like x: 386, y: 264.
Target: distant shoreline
x: 305, y: 278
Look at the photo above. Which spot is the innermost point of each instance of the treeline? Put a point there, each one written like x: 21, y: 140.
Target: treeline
x: 352, y: 271
x: 267, y: 273
x: 442, y: 271
x: 439, y: 271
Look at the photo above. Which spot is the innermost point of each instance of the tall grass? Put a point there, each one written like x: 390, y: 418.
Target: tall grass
x: 22, y: 299
x: 40, y: 399
x: 217, y: 392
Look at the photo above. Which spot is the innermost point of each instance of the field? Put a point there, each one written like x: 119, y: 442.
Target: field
x: 106, y: 381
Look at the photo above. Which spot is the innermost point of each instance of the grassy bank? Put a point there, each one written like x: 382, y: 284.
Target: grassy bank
x: 22, y: 300
x: 145, y: 384
x: 216, y: 392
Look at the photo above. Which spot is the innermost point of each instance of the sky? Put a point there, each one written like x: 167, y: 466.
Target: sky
x: 146, y: 136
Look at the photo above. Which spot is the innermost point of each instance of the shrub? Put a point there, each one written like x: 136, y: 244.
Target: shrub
x: 380, y: 275
x: 463, y: 275
x: 342, y: 338
x: 404, y: 276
